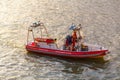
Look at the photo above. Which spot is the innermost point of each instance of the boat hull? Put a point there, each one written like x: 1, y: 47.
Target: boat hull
x: 66, y: 53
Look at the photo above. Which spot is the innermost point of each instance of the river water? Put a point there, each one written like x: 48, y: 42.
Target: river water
x: 100, y: 20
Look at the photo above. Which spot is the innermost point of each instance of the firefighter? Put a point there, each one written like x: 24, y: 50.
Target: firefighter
x: 68, y: 42
x: 74, y: 39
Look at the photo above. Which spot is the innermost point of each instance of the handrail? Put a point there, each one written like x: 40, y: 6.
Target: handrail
x: 35, y: 25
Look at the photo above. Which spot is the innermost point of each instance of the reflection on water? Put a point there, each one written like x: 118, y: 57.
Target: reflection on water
x: 100, y: 21
x: 67, y: 67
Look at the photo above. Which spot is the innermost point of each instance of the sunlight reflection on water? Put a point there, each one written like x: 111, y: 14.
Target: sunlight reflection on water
x: 100, y: 21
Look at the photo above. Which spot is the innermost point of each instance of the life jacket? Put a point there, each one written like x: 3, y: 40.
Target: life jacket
x: 74, y: 35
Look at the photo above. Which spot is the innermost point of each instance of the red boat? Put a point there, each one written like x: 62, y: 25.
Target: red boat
x: 48, y: 46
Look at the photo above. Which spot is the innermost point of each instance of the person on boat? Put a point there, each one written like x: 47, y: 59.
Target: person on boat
x: 68, y: 42
x: 81, y: 35
x: 74, y: 39
x: 77, y: 37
